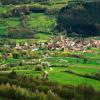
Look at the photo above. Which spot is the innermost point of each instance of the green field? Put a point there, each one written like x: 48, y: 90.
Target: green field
x: 27, y: 29
x: 57, y: 74
x: 43, y: 24
x: 65, y: 78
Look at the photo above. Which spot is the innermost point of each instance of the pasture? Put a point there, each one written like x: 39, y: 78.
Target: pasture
x: 43, y: 24
x: 60, y: 77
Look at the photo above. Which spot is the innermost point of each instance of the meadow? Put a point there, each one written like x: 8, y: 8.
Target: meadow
x: 65, y: 78
x: 59, y: 74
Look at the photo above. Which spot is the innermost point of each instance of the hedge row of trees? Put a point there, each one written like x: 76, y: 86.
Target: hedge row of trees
x: 20, y: 32
x: 17, y: 11
x: 7, y: 2
x: 95, y: 76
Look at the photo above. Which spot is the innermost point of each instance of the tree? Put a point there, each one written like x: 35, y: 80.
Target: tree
x: 80, y: 20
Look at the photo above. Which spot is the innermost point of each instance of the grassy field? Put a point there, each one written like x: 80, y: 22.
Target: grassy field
x: 43, y: 24
x: 3, y: 9
x: 65, y: 78
x: 58, y: 74
x: 37, y: 21
x: 73, y: 60
x: 40, y: 22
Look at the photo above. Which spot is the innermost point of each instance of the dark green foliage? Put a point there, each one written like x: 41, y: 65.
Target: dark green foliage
x: 38, y: 68
x: 80, y: 20
x: 6, y: 2
x: 12, y: 75
x: 17, y: 11
x: 20, y: 32
x: 16, y: 55
x: 43, y: 89
x: 87, y: 92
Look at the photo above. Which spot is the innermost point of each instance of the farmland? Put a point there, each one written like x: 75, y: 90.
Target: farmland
x: 48, y: 51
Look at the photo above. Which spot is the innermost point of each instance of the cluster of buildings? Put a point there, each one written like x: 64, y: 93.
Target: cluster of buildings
x: 61, y: 43
x: 74, y: 45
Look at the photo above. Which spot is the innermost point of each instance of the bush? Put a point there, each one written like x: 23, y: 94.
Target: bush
x: 16, y: 55
x: 20, y: 32
x: 25, y: 89
x: 38, y: 68
x: 88, y: 92
x: 12, y: 75
x: 45, y: 64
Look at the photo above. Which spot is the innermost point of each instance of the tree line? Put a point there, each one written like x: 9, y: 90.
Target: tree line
x: 7, y: 2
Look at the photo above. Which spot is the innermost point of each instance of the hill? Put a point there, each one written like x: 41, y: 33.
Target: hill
x: 81, y: 19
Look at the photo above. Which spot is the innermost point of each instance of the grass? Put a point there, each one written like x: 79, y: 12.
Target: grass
x: 45, y: 23
x: 64, y: 78
x: 83, y: 70
x: 10, y: 60
x: 41, y: 22
x: 61, y: 77
x: 38, y: 21
x: 2, y: 9
x: 13, y: 22
x: 23, y: 41
x: 2, y: 30
x: 73, y: 60
x: 8, y: 22
x: 42, y: 36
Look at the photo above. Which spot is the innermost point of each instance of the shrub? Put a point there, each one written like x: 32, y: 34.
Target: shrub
x: 38, y: 68
x: 12, y: 75
x: 52, y: 96
x: 16, y: 55
x: 88, y: 92
x: 45, y: 64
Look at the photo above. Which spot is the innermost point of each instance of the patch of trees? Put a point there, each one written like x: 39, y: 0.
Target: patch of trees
x: 7, y: 2
x: 80, y: 20
x: 20, y: 32
x: 17, y: 11
x: 14, y: 2
x: 7, y: 42
x: 35, y: 8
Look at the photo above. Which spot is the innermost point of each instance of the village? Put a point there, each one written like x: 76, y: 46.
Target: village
x: 60, y: 43
x: 49, y: 49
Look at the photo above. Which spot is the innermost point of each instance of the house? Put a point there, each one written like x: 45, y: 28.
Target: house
x: 97, y: 43
x: 18, y: 47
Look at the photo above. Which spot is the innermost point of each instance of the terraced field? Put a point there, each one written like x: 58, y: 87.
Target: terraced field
x: 71, y: 71
x: 58, y: 76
